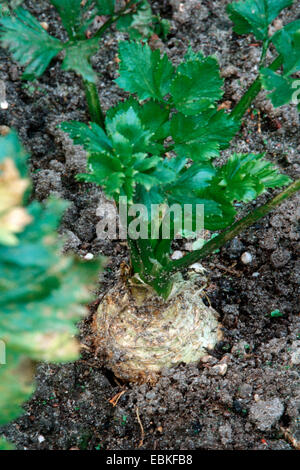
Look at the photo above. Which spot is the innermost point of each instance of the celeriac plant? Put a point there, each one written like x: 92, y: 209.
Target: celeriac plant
x: 158, y: 148
x: 136, y: 158
x: 33, y: 47
x: 42, y: 292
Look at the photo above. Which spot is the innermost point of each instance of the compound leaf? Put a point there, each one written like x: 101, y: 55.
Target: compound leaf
x: 29, y: 43
x: 71, y: 13
x: 255, y: 16
x: 42, y: 292
x: 78, y: 58
x: 196, y: 85
x: 143, y: 71
x: 283, y: 87
x: 245, y: 177
x: 202, y: 136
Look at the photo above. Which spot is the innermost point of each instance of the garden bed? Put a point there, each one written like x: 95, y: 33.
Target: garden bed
x: 246, y: 395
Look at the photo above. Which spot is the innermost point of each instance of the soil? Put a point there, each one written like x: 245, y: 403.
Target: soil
x: 244, y: 396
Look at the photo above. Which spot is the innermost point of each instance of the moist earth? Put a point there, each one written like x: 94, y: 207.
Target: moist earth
x: 245, y: 395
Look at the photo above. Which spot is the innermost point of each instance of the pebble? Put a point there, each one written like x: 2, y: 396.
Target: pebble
x: 246, y: 258
x: 177, y: 255
x: 4, y: 130
x: 235, y: 248
x: 219, y: 369
x: 4, y: 105
x: 245, y: 391
x: 280, y: 258
x: 197, y: 267
x: 89, y: 256
x: 225, y: 432
x: 295, y: 353
x: 230, y: 71
x: 208, y: 359
x: 3, y: 102
x: 264, y: 414
x: 44, y: 25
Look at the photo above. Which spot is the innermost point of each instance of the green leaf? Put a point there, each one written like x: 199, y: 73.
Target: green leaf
x: 202, y: 136
x: 196, y: 85
x: 120, y: 160
x: 92, y: 137
x: 283, y: 88
x: 42, y: 295
x: 153, y: 115
x: 10, y: 147
x: 143, y: 71
x: 29, y: 43
x: 139, y: 24
x: 4, y: 445
x: 142, y: 24
x: 288, y: 45
x: 255, y: 16
x: 245, y: 177
x: 127, y: 133
x: 106, y: 7
x: 70, y: 12
x: 78, y: 57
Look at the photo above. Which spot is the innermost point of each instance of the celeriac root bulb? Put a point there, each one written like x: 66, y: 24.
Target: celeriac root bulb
x: 140, y: 334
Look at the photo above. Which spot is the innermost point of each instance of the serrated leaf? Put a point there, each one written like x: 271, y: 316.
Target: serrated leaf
x: 138, y: 24
x: 288, y: 45
x: 143, y: 71
x: 29, y: 43
x: 92, y: 137
x: 127, y: 132
x: 245, y: 177
x: 196, y: 85
x: 42, y: 296
x: 201, y: 137
x: 153, y: 115
x: 71, y: 13
x: 141, y: 24
x: 283, y: 87
x: 120, y: 160
x: 78, y: 57
x: 255, y: 16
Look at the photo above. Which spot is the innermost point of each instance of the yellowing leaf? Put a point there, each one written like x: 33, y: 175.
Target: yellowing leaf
x: 13, y: 219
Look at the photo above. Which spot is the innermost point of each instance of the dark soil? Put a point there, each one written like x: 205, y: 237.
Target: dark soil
x: 256, y: 403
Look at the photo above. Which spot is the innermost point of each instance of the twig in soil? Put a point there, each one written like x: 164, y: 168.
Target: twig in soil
x: 228, y: 270
x: 141, y: 426
x: 114, y: 400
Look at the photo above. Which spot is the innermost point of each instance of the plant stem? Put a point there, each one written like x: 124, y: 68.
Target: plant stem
x: 238, y: 112
x: 92, y: 97
x: 116, y: 17
x: 234, y: 230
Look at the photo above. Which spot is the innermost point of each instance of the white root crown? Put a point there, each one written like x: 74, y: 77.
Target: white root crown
x: 140, y: 334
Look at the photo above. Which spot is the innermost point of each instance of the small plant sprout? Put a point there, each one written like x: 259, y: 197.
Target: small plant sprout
x: 158, y: 153
x: 276, y: 314
x: 33, y: 47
